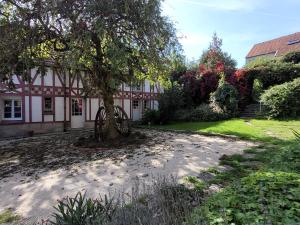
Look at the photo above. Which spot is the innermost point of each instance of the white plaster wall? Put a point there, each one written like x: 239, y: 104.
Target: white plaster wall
x: 48, y: 78
x: 59, y: 108
x: 126, y: 87
x: 147, y: 86
x: 75, y: 81
x: 94, y: 107
x: 36, y: 109
x: 80, y: 80
x: 15, y: 79
x: 155, y: 106
x: 118, y: 102
x: 127, y: 106
x: 48, y: 118
x: 27, y: 109
x: 156, y: 88
x: 57, y: 81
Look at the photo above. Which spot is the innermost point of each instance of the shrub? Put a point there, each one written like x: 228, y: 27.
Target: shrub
x: 242, y: 80
x: 190, y: 83
x: 208, y: 84
x: 83, y: 211
x: 225, y: 98
x: 273, y: 71
x: 170, y: 101
x: 283, y: 100
x: 257, y: 90
x: 164, y: 202
x: 204, y: 112
x: 293, y: 57
x: 150, y: 116
x: 261, y: 198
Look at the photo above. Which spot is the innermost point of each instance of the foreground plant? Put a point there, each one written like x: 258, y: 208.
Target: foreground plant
x: 81, y: 210
x: 164, y: 203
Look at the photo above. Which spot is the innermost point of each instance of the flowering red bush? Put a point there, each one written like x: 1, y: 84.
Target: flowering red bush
x: 243, y: 81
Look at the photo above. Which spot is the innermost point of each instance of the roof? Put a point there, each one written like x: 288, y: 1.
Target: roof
x: 279, y: 46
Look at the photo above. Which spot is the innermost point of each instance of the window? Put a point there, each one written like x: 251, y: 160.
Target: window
x: 48, y: 107
x: 137, y: 87
x: 292, y: 42
x: 135, y: 104
x: 12, y: 109
x: 76, y: 107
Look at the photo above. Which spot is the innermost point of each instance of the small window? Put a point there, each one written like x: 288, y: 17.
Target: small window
x: 135, y: 104
x: 76, y: 107
x: 48, y: 105
x: 292, y: 42
x: 12, y: 109
x: 137, y: 87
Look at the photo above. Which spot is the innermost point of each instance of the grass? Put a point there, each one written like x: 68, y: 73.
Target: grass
x: 255, y: 188
x: 258, y: 183
x: 254, y: 129
x: 8, y: 217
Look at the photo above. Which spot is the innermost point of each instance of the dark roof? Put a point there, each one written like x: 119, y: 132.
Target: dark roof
x: 278, y: 47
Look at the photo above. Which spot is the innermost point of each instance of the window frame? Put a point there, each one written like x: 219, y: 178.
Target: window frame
x: 48, y: 111
x: 80, y: 102
x: 135, y: 106
x: 13, y: 111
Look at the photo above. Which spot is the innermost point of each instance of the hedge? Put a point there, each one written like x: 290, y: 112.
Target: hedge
x: 283, y: 100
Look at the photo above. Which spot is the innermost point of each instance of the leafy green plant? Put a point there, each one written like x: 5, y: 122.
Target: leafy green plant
x: 198, y: 184
x: 297, y: 135
x: 81, y: 210
x: 164, y: 202
x: 225, y: 98
x: 273, y: 71
x: 170, y: 101
x: 293, y: 57
x: 150, y: 116
x: 283, y: 100
x: 261, y: 198
x: 204, y: 112
x: 257, y: 90
x: 8, y: 216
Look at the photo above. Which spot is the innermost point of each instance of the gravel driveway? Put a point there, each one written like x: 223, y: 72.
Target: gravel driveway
x: 35, y: 172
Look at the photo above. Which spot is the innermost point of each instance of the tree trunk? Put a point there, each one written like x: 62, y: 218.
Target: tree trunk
x: 110, y: 130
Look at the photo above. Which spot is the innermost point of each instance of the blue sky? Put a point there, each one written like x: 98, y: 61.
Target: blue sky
x: 240, y: 23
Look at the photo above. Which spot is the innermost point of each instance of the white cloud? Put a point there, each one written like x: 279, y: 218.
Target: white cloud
x: 227, y: 5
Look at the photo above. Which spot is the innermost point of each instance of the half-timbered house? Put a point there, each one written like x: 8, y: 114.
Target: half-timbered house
x: 55, y: 102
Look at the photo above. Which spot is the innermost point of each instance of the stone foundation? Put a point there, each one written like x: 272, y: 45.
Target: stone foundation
x: 25, y: 130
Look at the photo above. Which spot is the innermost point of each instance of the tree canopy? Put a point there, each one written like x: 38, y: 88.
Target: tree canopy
x: 214, y: 55
x: 114, y: 41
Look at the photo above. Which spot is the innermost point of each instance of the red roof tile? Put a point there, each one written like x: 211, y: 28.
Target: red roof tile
x: 278, y: 46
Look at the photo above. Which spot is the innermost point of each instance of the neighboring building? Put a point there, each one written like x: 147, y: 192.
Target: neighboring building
x: 50, y: 102
x: 275, y: 48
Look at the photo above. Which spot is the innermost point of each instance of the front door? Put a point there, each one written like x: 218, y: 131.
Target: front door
x: 77, y: 114
x: 136, y: 110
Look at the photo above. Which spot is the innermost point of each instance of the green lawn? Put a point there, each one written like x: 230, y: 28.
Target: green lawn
x: 262, y: 186
x: 253, y: 129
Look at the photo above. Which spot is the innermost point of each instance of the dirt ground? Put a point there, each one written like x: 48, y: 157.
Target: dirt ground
x: 35, y: 172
